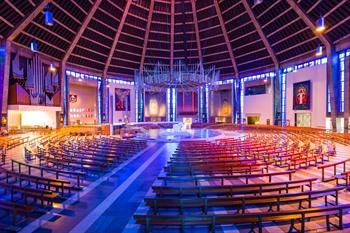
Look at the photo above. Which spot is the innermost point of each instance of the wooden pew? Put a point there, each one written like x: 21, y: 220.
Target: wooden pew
x: 15, y: 209
x: 306, y: 161
x: 47, y: 183
x: 241, y: 203
x: 334, y: 166
x: 231, y: 190
x: 174, y: 166
x: 219, y: 169
x: 222, y: 178
x: 22, y: 167
x: 254, y: 219
x: 42, y: 195
x: 345, y: 176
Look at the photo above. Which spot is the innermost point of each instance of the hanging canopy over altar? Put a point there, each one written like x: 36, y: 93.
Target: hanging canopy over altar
x: 180, y: 76
x: 181, y: 89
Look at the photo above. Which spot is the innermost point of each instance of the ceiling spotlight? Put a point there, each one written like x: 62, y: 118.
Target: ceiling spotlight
x: 52, y: 68
x: 34, y: 46
x: 319, y: 51
x: 48, y: 16
x: 265, y: 80
x: 257, y: 2
x: 320, y: 25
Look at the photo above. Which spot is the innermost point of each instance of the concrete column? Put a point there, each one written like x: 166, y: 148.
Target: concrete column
x: 346, y: 94
x: 233, y: 102
x: 64, y: 94
x: 277, y: 97
x: 5, y: 61
x: 332, y: 77
x: 101, y: 92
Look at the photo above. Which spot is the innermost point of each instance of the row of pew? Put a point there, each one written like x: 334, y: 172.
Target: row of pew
x: 201, y: 178
x: 54, y: 167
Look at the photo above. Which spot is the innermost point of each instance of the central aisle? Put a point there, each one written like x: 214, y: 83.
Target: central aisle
x: 111, y: 201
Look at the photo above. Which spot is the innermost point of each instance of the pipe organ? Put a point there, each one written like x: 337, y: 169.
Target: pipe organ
x: 40, y: 83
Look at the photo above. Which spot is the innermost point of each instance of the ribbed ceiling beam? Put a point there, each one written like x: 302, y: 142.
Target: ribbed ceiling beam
x: 81, y: 30
x: 117, y: 36
x: 172, y: 34
x: 62, y: 8
x: 196, y: 28
x: 14, y: 7
x: 145, y: 41
x: 227, y: 40
x: 261, y: 33
x: 27, y: 20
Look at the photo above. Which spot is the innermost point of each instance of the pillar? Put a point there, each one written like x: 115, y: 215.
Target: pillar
x: 276, y: 84
x: 64, y: 94
x: 5, y: 63
x: 236, y: 94
x: 332, y: 80
x: 101, y: 101
x: 346, y: 93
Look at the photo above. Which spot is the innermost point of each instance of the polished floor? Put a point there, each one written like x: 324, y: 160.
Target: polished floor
x: 171, y: 135
x: 108, y: 203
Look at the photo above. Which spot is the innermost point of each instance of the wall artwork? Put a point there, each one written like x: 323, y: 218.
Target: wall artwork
x: 302, y: 95
x: 122, y: 99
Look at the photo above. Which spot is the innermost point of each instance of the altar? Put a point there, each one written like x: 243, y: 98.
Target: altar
x: 187, y: 122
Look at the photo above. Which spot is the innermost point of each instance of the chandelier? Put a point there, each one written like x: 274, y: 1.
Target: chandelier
x: 186, y: 77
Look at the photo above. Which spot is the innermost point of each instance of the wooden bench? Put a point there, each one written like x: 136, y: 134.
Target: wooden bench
x: 232, y: 190
x: 222, y: 169
x: 334, y: 166
x: 242, y: 202
x: 345, y: 176
x: 254, y: 219
x: 22, y: 167
x: 222, y: 178
x: 42, y: 195
x: 15, y: 209
x: 214, y: 157
x: 98, y: 160
x: 184, y: 166
x: 48, y: 183
x: 83, y: 165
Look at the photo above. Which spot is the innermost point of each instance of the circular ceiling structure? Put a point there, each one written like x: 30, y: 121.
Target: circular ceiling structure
x: 117, y: 37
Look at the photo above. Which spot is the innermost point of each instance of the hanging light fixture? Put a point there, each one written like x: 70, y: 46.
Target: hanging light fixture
x: 52, y: 68
x: 319, y: 51
x: 48, y: 16
x: 34, y: 46
x: 320, y: 25
x: 257, y: 2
